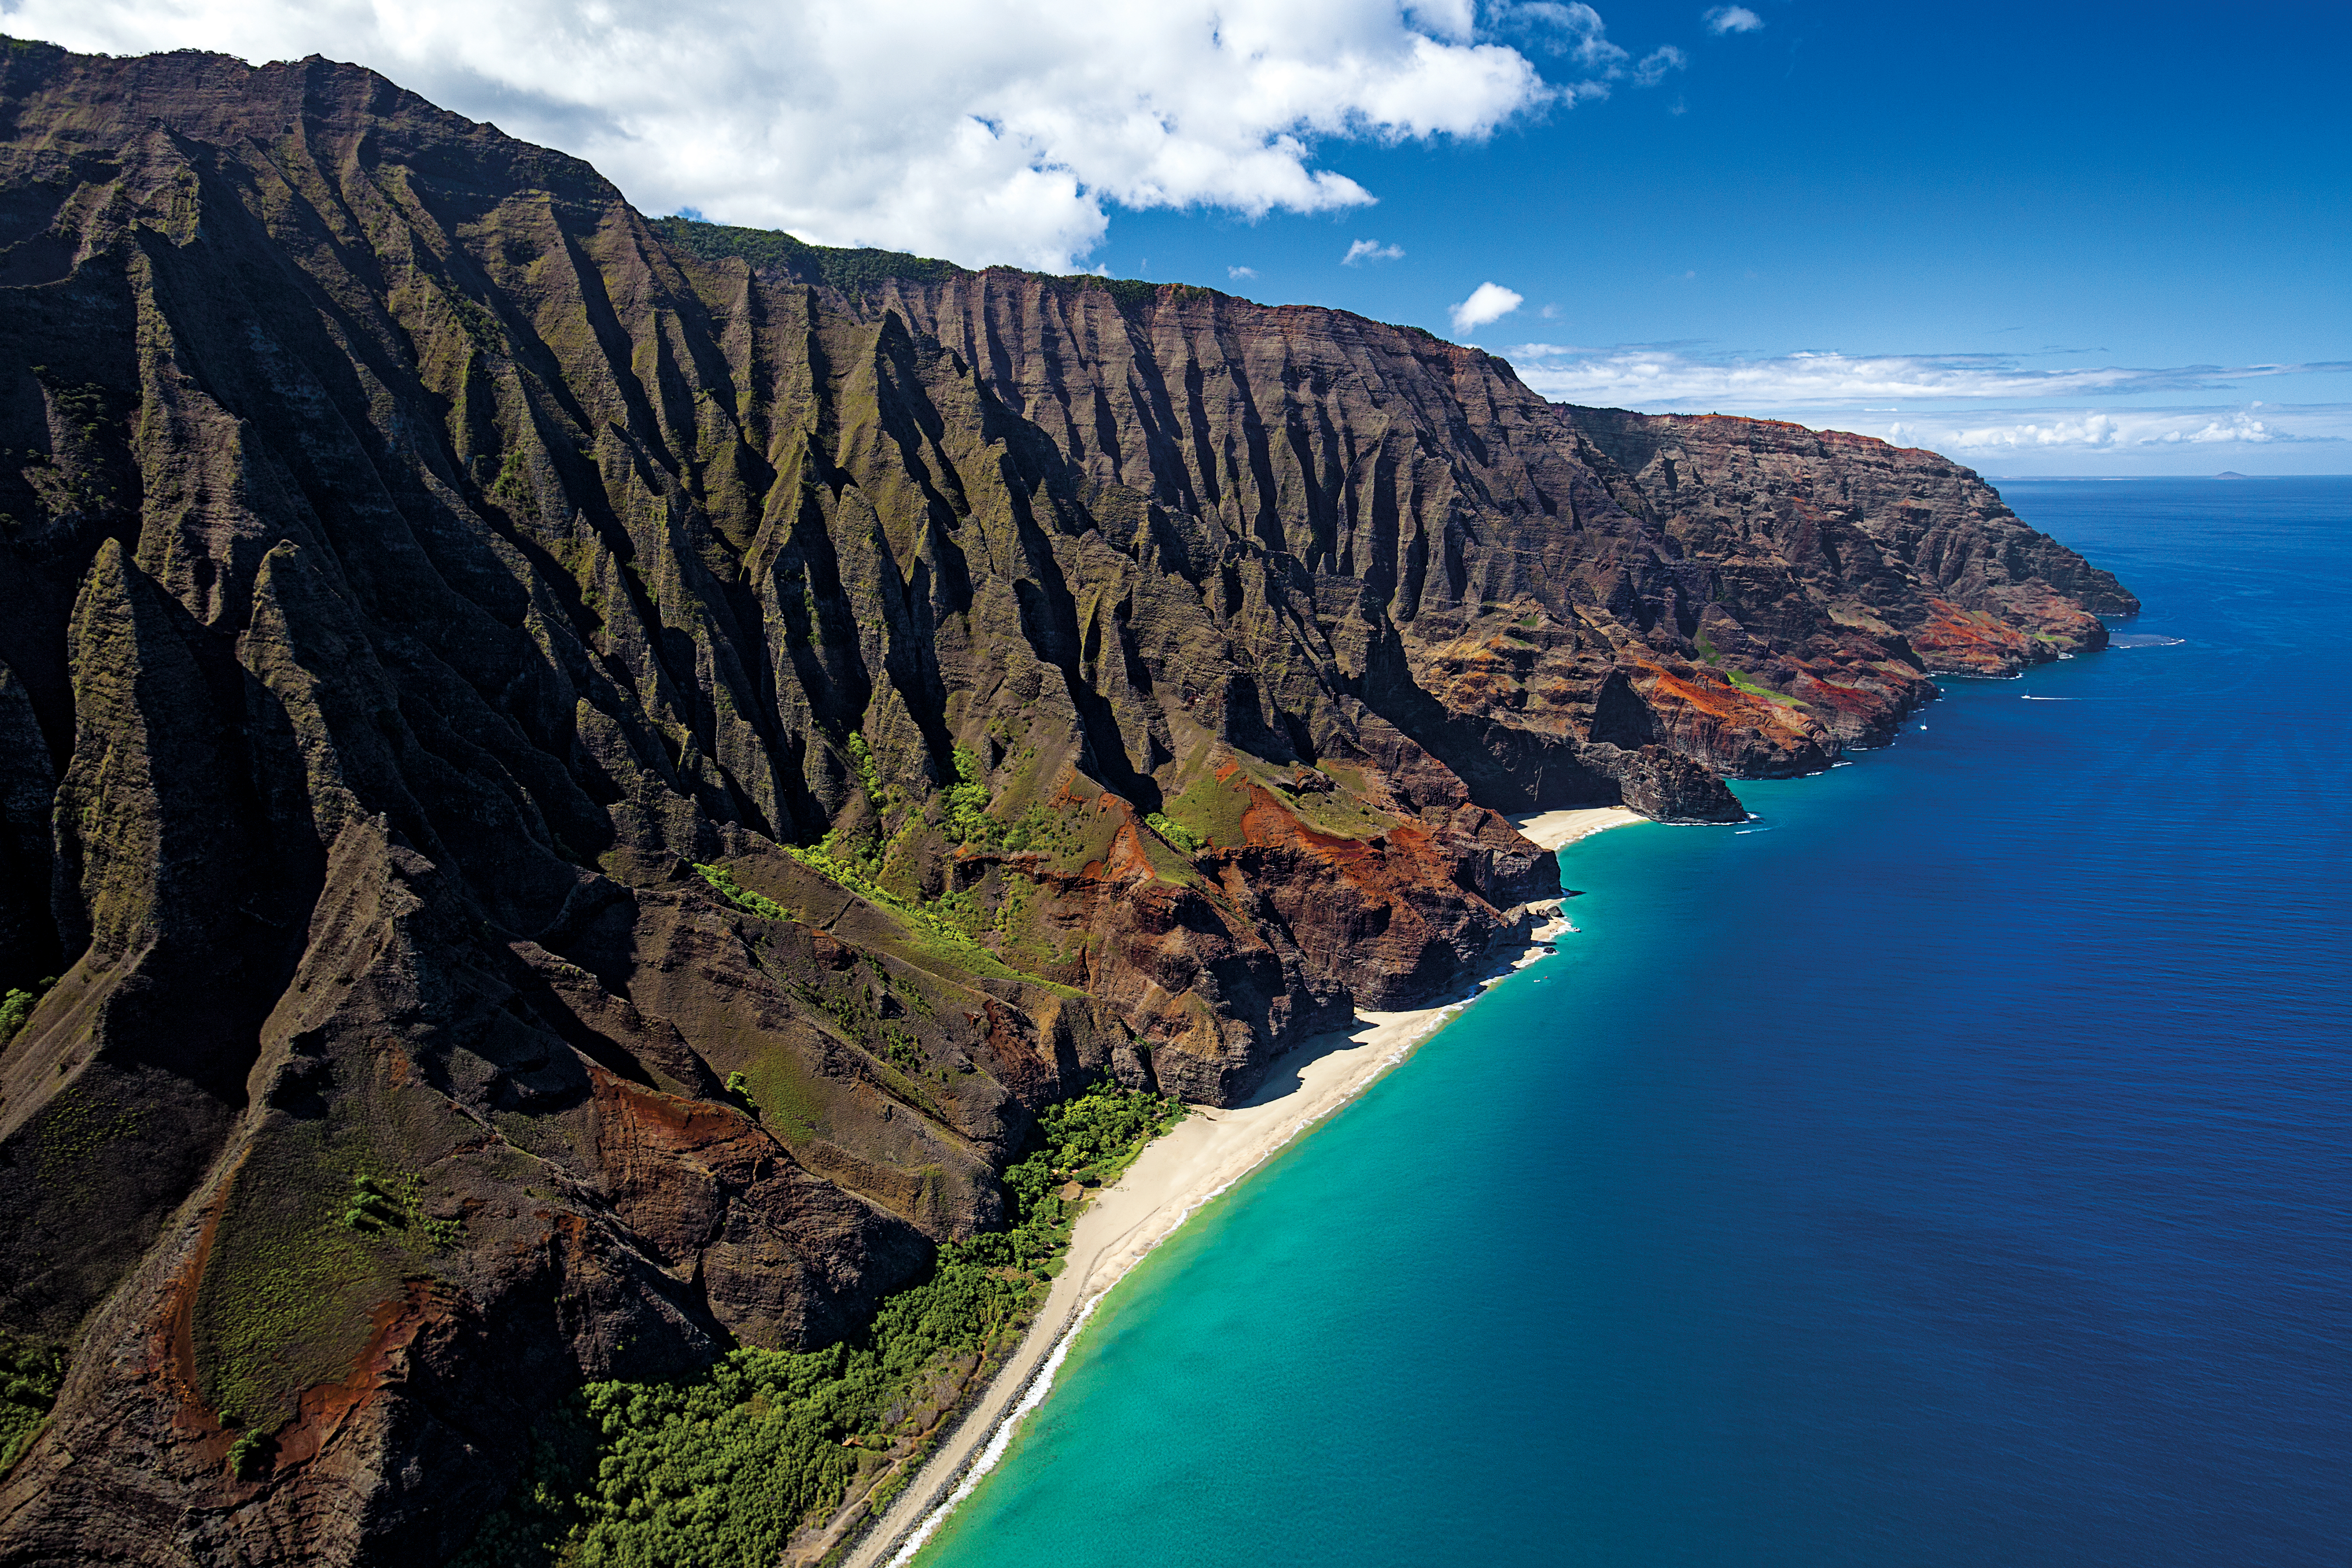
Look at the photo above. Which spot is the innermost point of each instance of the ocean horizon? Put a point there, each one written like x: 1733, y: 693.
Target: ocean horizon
x: 1945, y: 1166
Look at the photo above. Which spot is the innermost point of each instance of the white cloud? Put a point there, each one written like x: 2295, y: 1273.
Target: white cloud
x: 2108, y: 431
x: 1638, y: 376
x: 1733, y: 19
x: 999, y: 130
x: 1238, y: 273
x: 1657, y: 63
x: 1575, y: 32
x: 2063, y: 420
x: 1371, y: 251
x: 1487, y: 302
x: 1453, y: 20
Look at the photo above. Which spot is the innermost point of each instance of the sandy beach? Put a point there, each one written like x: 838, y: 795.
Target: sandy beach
x: 1205, y: 1153
x: 1551, y: 829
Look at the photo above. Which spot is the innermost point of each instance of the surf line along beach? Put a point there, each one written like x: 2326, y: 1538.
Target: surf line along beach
x: 1203, y: 1155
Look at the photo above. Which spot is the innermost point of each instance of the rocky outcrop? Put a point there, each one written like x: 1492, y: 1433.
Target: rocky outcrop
x: 1902, y: 551
x: 581, y: 781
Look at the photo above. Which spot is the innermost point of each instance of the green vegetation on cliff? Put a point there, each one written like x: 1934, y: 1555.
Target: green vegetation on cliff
x: 724, y: 883
x: 311, y: 1239
x: 952, y: 922
x: 29, y: 1376
x: 836, y: 863
x: 1176, y: 833
x: 1754, y: 688
x: 967, y: 803
x: 717, y: 1470
x: 1712, y: 656
x: 380, y: 1204
x: 17, y: 1006
x: 1211, y: 811
x: 773, y: 250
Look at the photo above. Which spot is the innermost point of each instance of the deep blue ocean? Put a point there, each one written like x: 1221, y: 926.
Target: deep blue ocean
x: 1951, y: 1166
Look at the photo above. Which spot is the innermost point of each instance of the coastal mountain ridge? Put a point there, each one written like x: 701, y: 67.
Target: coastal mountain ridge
x: 571, y: 787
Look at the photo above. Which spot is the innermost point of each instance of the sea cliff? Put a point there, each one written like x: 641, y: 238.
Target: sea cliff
x: 573, y: 786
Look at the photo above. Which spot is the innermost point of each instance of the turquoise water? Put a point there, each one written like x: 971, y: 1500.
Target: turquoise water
x: 1949, y: 1167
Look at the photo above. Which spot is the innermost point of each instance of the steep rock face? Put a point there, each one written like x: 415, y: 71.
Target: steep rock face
x: 1903, y: 546
x: 647, y: 754
x: 1415, y: 497
x: 1566, y: 606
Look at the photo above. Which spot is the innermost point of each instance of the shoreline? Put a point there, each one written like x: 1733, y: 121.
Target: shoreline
x: 1172, y: 1179
x: 1557, y: 829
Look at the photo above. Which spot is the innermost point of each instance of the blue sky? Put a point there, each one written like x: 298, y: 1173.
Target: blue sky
x: 2053, y: 189
x: 2042, y: 238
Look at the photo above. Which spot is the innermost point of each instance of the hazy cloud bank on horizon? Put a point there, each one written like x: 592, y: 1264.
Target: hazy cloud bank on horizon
x: 981, y: 132
x: 1809, y: 388
x: 2136, y: 432
x: 1663, y: 377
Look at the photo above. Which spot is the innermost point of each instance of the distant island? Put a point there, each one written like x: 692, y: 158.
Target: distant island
x: 606, y: 824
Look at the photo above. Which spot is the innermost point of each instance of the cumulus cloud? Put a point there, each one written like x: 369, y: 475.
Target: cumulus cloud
x: 997, y: 131
x: 1664, y: 377
x: 1487, y: 302
x: 1732, y: 19
x: 1371, y: 251
x: 1238, y: 273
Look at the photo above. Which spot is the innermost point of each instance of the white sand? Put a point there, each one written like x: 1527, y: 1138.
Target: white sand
x: 1551, y: 829
x: 1205, y: 1153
